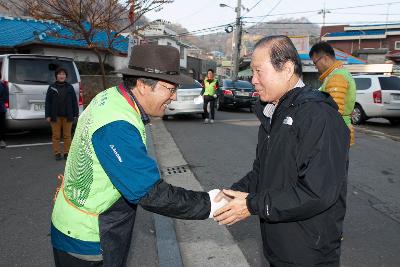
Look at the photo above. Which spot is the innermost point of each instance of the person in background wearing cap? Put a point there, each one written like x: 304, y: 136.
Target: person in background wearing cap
x: 61, y: 108
x: 109, y: 172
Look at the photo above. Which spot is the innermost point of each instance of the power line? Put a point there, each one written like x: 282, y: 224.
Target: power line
x: 251, y: 8
x: 375, y: 14
x: 333, y: 23
x: 204, y: 30
x: 268, y: 13
x: 330, y: 9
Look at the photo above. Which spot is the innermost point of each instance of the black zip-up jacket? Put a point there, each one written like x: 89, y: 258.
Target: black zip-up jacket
x: 71, y: 103
x: 3, y: 96
x: 299, y: 180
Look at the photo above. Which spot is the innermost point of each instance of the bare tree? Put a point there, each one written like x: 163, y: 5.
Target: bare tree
x: 87, y: 19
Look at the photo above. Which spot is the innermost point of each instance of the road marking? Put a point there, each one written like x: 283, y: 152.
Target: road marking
x: 377, y: 133
x: 29, y: 145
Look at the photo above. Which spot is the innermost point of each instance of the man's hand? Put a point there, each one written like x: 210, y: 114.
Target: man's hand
x: 236, y: 210
x: 217, y: 204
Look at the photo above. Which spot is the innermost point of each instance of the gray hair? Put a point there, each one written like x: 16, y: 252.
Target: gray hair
x: 281, y: 50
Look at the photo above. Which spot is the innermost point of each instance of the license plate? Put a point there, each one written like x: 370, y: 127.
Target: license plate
x: 38, y: 107
x: 186, y: 98
x: 396, y: 97
x: 242, y: 93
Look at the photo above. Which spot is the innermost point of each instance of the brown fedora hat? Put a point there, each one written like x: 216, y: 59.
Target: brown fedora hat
x: 156, y: 61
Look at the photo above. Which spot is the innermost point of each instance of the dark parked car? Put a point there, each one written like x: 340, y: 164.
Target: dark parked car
x: 238, y: 94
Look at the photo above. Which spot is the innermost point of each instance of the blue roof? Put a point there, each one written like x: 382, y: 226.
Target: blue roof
x: 19, y: 31
x: 359, y: 32
x: 355, y: 33
x: 342, y: 56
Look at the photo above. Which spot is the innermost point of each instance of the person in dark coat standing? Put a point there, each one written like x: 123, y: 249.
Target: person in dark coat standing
x: 3, y: 110
x: 61, y: 109
x: 298, y: 183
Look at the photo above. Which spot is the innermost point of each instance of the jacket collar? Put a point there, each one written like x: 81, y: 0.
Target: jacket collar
x: 336, y: 65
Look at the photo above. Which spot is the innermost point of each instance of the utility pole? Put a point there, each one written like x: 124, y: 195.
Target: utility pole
x: 238, y: 37
x: 323, y: 12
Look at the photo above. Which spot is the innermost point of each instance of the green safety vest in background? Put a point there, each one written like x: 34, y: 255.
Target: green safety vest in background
x: 209, y: 88
x: 87, y: 190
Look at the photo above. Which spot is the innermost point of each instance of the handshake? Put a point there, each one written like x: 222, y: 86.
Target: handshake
x: 228, y: 206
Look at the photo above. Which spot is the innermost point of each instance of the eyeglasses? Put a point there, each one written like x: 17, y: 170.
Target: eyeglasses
x: 316, y: 61
x: 171, y: 90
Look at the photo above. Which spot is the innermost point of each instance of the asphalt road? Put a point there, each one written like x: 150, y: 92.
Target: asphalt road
x: 28, y: 179
x: 221, y: 153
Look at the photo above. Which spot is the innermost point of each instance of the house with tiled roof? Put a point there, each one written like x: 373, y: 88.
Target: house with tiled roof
x: 373, y: 43
x: 31, y: 36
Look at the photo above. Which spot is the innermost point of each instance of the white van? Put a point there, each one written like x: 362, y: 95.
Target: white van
x: 28, y: 78
x: 378, y: 96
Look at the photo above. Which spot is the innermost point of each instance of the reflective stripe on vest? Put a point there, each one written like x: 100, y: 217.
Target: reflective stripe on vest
x: 87, y: 190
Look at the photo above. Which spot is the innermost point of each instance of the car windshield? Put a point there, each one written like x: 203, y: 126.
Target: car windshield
x: 194, y: 85
x: 38, y: 70
x: 390, y: 83
x: 238, y: 84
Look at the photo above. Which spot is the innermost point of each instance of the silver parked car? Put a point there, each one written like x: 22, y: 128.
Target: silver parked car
x: 184, y: 103
x: 378, y: 96
x: 28, y: 77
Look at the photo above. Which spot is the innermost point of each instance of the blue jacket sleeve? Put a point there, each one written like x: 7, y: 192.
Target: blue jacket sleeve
x: 124, y: 158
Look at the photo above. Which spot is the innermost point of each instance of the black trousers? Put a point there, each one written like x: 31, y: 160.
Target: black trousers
x: 63, y: 259
x: 2, y: 125
x: 211, y: 100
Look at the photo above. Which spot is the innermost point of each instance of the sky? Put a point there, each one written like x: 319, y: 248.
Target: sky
x: 197, y: 15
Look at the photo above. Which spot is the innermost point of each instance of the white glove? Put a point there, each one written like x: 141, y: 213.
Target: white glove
x: 216, y: 205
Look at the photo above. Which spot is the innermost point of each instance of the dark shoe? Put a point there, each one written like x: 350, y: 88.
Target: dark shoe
x: 66, y: 156
x: 58, y: 156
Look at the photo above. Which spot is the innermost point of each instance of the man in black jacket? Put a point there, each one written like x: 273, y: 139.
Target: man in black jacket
x: 298, y: 183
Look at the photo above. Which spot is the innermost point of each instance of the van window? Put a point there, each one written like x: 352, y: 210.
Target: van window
x: 390, y: 83
x: 38, y: 70
x: 363, y: 83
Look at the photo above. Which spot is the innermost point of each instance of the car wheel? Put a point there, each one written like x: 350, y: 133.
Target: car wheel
x: 394, y: 121
x: 219, y: 105
x: 165, y: 117
x: 251, y: 109
x: 358, y: 116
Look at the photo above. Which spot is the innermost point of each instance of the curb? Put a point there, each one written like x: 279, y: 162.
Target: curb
x: 167, y: 245
x: 201, y: 243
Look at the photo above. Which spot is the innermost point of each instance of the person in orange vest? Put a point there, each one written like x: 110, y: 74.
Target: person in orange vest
x: 336, y: 81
